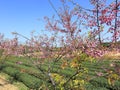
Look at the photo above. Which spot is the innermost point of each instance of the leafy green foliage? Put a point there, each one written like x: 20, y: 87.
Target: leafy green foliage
x: 86, y: 78
x: 28, y: 80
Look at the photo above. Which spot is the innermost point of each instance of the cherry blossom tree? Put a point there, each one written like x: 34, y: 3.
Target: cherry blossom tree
x: 102, y: 16
x: 68, y: 45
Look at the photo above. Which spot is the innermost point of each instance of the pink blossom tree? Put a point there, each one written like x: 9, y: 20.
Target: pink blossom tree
x: 69, y: 47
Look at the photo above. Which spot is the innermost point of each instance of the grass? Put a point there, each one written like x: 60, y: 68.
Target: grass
x: 30, y: 77
x: 112, y: 55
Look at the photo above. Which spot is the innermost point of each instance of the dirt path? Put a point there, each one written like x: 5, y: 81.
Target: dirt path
x: 4, y: 85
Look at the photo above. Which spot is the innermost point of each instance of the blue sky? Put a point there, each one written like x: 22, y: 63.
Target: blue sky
x: 24, y: 16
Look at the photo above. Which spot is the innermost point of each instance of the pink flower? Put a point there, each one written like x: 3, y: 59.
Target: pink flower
x: 99, y: 74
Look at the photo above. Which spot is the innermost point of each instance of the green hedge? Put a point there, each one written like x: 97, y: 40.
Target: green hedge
x: 91, y: 87
x: 102, y: 82
x: 29, y: 80
x: 11, y: 71
x: 99, y: 82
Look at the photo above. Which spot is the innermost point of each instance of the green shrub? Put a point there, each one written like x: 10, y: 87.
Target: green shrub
x: 99, y: 82
x: 116, y: 86
x: 30, y: 81
x: 1, y: 53
x: 1, y: 66
x: 12, y: 72
x: 102, y: 82
x: 106, y: 44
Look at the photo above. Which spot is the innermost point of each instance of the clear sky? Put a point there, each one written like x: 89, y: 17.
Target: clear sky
x: 24, y: 16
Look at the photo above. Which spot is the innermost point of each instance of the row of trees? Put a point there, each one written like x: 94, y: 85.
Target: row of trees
x: 96, y: 20
x: 68, y: 27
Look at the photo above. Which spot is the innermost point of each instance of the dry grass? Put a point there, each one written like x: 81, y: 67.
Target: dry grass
x: 112, y: 55
x: 4, y: 85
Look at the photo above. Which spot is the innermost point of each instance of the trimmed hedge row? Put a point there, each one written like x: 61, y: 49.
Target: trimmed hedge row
x: 102, y: 82
x: 89, y: 86
x: 34, y: 81
x: 30, y: 81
